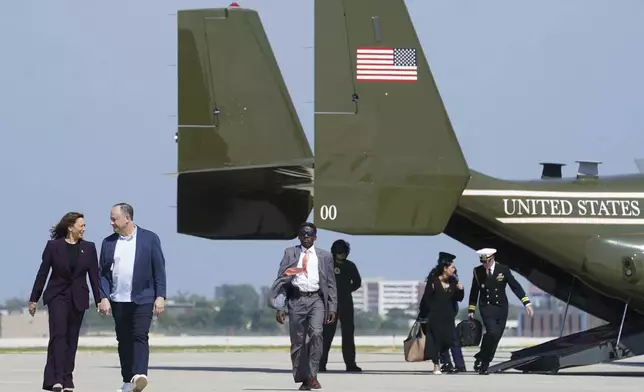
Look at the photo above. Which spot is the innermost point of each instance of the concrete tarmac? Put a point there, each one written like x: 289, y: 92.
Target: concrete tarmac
x: 263, y: 371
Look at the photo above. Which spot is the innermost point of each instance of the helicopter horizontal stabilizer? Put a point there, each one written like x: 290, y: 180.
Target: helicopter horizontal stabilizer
x: 387, y: 160
x: 241, y: 146
x: 266, y: 202
x: 640, y: 165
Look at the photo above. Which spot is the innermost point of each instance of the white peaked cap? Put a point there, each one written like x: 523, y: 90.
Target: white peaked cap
x: 486, y: 252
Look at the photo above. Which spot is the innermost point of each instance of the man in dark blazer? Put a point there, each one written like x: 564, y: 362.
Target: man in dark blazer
x: 305, y: 288
x: 133, y: 282
x: 489, y: 281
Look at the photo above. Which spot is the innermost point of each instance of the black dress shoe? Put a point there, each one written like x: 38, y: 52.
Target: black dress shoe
x: 460, y: 370
x: 483, y: 369
x: 477, y: 365
x: 353, y: 368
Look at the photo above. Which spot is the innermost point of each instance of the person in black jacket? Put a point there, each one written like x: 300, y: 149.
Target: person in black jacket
x: 456, y: 350
x: 488, y: 287
x: 347, y: 280
x: 437, y: 306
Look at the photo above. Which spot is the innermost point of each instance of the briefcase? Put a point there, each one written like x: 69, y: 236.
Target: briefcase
x: 414, y: 345
x: 470, y: 332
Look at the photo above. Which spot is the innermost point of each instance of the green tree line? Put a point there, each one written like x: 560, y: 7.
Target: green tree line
x: 237, y: 310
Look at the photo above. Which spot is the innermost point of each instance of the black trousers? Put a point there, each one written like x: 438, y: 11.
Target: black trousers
x: 346, y: 318
x: 132, y: 324
x: 494, y: 319
x: 64, y: 327
x: 438, y: 338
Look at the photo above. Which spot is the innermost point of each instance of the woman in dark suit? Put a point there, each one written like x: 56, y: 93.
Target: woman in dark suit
x: 71, y: 259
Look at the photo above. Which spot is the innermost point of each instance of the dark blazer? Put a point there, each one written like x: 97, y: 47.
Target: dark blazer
x: 148, y: 281
x: 348, y: 281
x: 427, y: 302
x: 491, y: 290
x: 56, y: 258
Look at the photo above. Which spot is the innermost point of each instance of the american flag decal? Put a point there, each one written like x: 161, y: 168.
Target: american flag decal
x: 386, y: 65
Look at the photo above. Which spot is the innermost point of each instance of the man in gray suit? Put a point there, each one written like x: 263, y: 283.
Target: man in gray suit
x: 305, y: 289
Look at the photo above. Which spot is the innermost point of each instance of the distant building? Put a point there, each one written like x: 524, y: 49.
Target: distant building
x: 20, y: 324
x: 380, y: 296
x: 219, y: 293
x: 178, y: 308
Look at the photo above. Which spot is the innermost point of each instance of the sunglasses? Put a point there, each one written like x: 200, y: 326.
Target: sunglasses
x: 307, y: 234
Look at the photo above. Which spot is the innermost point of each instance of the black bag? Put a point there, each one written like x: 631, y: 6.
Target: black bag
x: 470, y: 332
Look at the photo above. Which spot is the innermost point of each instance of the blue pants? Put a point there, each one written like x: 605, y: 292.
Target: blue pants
x: 457, y: 353
x: 132, y: 324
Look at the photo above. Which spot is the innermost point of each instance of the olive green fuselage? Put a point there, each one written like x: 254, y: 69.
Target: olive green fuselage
x: 387, y: 160
x: 591, y: 229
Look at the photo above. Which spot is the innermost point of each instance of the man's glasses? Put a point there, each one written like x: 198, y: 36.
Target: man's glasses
x: 307, y: 234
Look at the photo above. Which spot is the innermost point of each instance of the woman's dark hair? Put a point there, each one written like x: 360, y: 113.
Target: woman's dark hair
x: 340, y: 246
x: 67, y: 221
x: 439, y: 268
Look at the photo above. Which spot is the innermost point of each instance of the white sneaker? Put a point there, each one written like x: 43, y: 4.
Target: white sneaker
x: 127, y: 387
x: 437, y: 372
x: 139, y: 382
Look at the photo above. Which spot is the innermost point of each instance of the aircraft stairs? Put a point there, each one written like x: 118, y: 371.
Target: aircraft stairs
x: 606, y: 343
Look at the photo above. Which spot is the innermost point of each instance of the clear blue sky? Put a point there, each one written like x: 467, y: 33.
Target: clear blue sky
x: 87, y: 91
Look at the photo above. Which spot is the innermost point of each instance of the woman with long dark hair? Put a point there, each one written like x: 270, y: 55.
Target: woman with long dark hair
x: 71, y: 259
x: 437, y: 305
